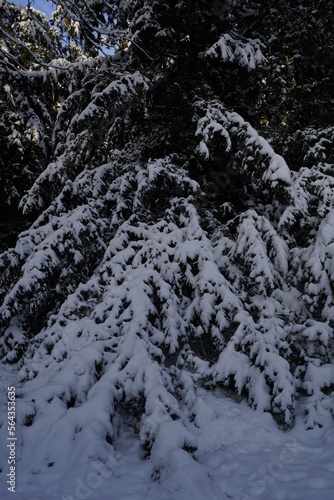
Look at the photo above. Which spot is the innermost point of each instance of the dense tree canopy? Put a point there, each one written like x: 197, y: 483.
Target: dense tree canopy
x: 174, y: 180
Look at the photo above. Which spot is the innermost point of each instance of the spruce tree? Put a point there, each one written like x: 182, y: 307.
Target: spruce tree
x: 176, y: 240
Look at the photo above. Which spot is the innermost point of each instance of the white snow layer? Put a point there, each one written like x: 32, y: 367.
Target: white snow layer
x: 241, y: 454
x: 246, y: 53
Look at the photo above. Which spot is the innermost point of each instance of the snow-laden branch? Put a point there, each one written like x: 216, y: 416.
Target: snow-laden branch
x: 246, y: 52
x: 255, y: 155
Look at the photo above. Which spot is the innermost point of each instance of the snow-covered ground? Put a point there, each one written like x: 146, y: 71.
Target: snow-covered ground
x: 241, y: 454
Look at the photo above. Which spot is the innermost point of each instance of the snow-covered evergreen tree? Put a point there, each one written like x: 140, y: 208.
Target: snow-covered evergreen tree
x: 174, y: 243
